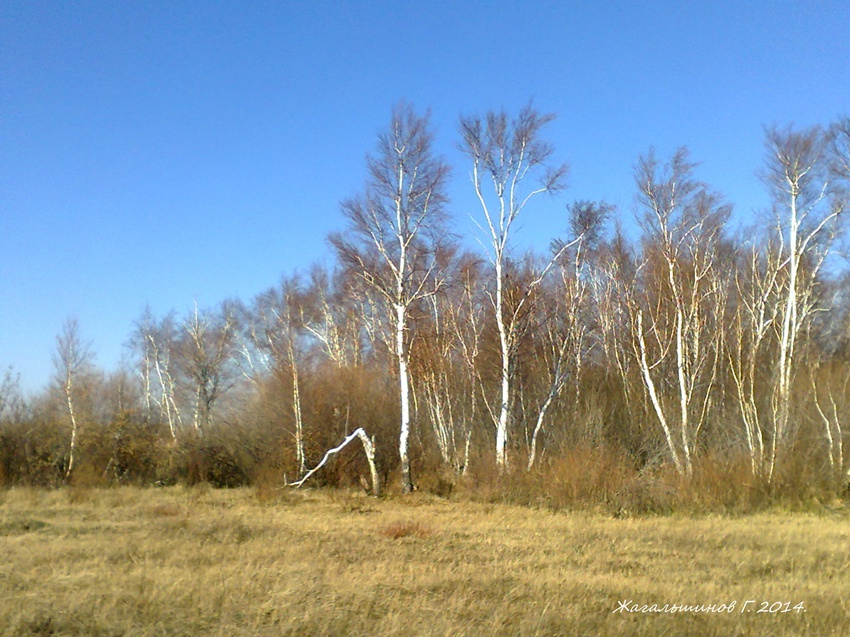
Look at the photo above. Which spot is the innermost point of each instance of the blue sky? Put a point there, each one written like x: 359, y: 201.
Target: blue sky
x: 167, y: 153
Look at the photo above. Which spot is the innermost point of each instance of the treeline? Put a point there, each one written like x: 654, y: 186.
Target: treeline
x: 688, y: 361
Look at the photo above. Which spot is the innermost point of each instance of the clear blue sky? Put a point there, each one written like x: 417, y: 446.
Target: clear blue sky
x: 164, y: 153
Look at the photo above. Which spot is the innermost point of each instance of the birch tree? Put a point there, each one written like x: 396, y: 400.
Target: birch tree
x: 798, y: 176
x: 508, y: 153
x: 273, y: 329
x: 154, y: 343
x: 830, y: 379
x: 565, y: 321
x: 72, y: 360
x: 678, y: 323
x: 830, y: 385
x: 206, y: 354
x: 395, y: 229
x: 160, y: 343
x: 445, y: 360
x: 612, y: 283
x: 327, y: 313
x: 749, y: 342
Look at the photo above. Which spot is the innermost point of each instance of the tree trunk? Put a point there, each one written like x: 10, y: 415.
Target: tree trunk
x: 73, y: 446
x: 504, y: 406
x: 404, y: 393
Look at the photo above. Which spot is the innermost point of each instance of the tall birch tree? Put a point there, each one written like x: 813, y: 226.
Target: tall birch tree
x: 798, y: 174
x: 507, y: 154
x: 395, y: 231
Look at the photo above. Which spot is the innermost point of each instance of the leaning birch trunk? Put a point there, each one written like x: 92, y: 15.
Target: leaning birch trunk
x: 532, y: 454
x: 653, y: 395
x: 168, y: 406
x: 368, y: 448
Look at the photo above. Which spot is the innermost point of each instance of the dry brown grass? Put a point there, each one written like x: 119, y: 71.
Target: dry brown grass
x: 197, y: 561
x: 405, y: 528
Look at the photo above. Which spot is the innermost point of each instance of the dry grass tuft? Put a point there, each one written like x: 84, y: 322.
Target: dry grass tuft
x: 269, y: 486
x: 78, y: 494
x: 406, y: 528
x: 166, y: 510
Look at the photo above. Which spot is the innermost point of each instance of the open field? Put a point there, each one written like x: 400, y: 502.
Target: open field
x: 181, y: 561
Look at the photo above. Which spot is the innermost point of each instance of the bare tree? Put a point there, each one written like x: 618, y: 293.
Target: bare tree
x: 565, y: 320
x: 831, y: 393
x: 12, y: 402
x: 206, y: 354
x: 395, y: 231
x: 677, y: 324
x: 448, y: 361
x: 779, y: 292
x: 445, y: 359
x: 830, y: 379
x: 155, y: 342
x: 612, y: 283
x: 507, y: 152
x: 73, y: 362
x: 799, y: 182
x: 748, y: 340
x: 273, y: 329
x: 138, y: 344
x: 329, y: 316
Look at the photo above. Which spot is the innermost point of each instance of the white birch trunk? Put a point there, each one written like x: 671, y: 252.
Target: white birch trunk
x: 538, y: 427
x: 683, y: 391
x: 69, y: 388
x: 653, y: 396
x: 504, y: 345
x: 404, y: 394
x: 296, y: 408
x: 786, y: 345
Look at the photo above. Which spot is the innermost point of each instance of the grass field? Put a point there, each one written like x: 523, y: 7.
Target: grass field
x: 197, y: 561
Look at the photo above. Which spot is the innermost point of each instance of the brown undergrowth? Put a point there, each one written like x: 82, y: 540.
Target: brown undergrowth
x: 603, y: 480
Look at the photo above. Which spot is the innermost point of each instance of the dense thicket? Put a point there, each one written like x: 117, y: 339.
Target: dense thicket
x: 680, y: 362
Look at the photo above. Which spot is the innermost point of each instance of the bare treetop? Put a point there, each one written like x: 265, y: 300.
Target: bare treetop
x: 508, y: 148
x: 794, y: 164
x: 403, y: 206
x: 507, y: 151
x: 73, y: 355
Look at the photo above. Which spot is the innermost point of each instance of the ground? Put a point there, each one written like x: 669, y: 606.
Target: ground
x: 198, y: 561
